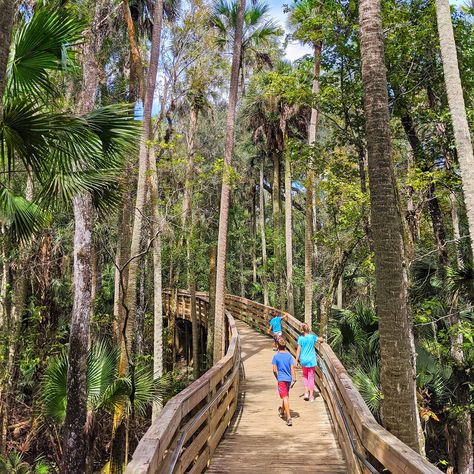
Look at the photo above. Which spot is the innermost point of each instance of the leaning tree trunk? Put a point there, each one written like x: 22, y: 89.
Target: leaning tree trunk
x: 462, y: 136
x: 225, y: 190
x: 75, y: 449
x: 399, y: 407
x: 309, y: 215
x: 261, y: 219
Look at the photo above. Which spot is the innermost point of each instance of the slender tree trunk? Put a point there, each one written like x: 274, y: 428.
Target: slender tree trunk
x: 188, y: 232
x: 263, y: 238
x: 339, y: 293
x: 253, y: 213
x: 75, y: 440
x: 456, y: 230
x: 225, y: 191
x: 212, y: 303
x: 310, y: 182
x: 399, y: 407
x: 8, y: 9
x: 438, y: 227
x: 277, y: 238
x: 119, y: 444
x: 146, y: 137
x: 288, y: 225
x: 457, y: 108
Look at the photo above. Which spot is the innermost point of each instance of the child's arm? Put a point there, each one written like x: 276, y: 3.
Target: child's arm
x: 298, y: 352
x: 275, y: 371
x: 293, y: 374
x: 269, y: 330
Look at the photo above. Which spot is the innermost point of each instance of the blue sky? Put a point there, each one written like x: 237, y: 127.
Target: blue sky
x: 295, y: 50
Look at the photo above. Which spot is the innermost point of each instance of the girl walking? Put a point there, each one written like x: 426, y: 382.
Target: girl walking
x: 306, y: 357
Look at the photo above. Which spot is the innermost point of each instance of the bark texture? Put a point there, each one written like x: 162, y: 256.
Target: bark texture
x: 225, y: 191
x: 399, y: 408
x: 75, y: 448
x: 457, y: 108
x: 261, y: 219
x: 310, y: 183
x: 8, y: 8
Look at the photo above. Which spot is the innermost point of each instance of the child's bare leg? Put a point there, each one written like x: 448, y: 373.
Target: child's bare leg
x: 286, y: 407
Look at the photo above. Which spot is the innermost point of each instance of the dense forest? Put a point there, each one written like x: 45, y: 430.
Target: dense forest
x: 164, y: 144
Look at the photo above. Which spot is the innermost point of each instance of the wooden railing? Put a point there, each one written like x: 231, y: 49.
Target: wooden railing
x: 187, y: 431
x: 360, y: 436
x: 190, y: 426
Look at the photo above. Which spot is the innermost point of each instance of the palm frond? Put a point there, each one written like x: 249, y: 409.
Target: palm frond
x: 41, y: 45
x: 21, y: 217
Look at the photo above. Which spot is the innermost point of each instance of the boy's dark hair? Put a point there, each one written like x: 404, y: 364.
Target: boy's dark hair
x: 281, y: 343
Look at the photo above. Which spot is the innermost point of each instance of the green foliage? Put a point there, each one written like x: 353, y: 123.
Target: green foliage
x: 105, y: 390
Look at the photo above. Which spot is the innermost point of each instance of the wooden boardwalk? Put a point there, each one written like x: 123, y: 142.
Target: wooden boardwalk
x: 258, y: 441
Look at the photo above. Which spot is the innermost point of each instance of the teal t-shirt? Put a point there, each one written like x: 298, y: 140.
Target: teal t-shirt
x: 308, y: 352
x: 275, y: 323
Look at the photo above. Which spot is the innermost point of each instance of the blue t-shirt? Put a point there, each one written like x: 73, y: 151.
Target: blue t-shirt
x: 275, y: 323
x: 283, y: 361
x: 308, y: 352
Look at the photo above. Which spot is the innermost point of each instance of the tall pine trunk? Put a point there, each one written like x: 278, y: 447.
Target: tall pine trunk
x: 398, y: 373
x: 225, y: 190
x: 75, y: 450
x: 309, y: 214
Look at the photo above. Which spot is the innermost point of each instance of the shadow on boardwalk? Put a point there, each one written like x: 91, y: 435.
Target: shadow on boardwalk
x: 257, y: 440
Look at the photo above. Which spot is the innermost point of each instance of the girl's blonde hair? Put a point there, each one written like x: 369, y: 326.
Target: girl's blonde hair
x: 305, y: 327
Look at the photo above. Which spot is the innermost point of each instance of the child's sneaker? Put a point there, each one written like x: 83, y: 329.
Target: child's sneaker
x: 306, y: 397
x: 289, y: 422
x: 311, y: 399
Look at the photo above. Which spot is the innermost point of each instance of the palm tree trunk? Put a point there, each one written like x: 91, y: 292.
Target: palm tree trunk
x: 75, y: 440
x: 8, y: 9
x: 225, y: 191
x: 212, y: 303
x: 288, y: 233
x: 399, y: 408
x: 261, y: 216
x: 276, y: 204
x: 462, y: 136
x: 309, y: 215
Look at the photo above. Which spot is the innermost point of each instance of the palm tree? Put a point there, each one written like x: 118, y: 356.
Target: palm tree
x: 66, y: 155
x: 225, y: 190
x: 259, y: 32
x: 105, y: 390
x: 397, y: 351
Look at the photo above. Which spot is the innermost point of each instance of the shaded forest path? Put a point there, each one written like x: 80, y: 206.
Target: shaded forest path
x: 257, y: 440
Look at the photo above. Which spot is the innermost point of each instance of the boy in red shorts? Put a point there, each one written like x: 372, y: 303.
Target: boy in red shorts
x: 284, y: 371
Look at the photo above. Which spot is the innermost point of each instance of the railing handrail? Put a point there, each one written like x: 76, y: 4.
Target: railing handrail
x: 200, y: 413
x: 376, y: 440
x: 161, y: 448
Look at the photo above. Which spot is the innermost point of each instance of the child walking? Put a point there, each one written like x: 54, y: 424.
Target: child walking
x: 306, y: 357
x: 275, y: 328
x: 284, y: 371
